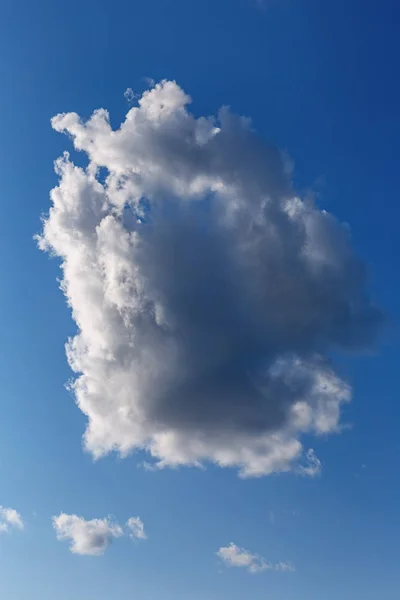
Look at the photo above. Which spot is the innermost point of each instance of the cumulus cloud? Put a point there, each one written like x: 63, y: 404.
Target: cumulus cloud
x: 233, y: 556
x: 136, y: 528
x: 9, y: 519
x: 86, y: 537
x: 208, y: 295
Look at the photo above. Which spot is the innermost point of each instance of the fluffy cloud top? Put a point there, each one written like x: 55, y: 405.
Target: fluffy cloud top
x: 233, y: 556
x: 208, y: 296
x: 136, y: 528
x: 86, y: 537
x: 10, y: 518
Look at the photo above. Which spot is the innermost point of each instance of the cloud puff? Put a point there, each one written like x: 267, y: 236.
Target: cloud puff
x: 208, y: 296
x: 233, y: 556
x: 129, y: 95
x: 10, y: 518
x: 94, y: 536
x: 86, y: 537
x: 136, y: 528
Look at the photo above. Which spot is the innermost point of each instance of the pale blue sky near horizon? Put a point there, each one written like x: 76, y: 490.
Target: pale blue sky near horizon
x: 320, y: 81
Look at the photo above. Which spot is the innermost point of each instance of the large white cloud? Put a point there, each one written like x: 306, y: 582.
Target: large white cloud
x: 233, y: 556
x: 208, y: 296
x: 10, y: 518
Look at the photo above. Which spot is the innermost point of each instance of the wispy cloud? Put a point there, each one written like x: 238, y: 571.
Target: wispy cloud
x: 234, y: 556
x: 130, y: 95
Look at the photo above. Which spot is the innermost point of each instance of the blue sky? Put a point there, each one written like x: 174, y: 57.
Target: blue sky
x: 319, y: 81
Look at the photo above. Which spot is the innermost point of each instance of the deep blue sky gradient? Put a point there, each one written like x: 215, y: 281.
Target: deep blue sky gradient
x: 320, y: 79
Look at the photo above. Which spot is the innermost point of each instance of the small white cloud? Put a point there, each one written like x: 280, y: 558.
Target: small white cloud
x: 10, y: 518
x: 136, y: 528
x: 86, y: 537
x: 150, y: 82
x: 313, y: 465
x: 233, y: 556
x: 130, y: 95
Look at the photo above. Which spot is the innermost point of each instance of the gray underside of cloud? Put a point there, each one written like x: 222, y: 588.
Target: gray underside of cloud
x: 92, y: 537
x: 208, y: 296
